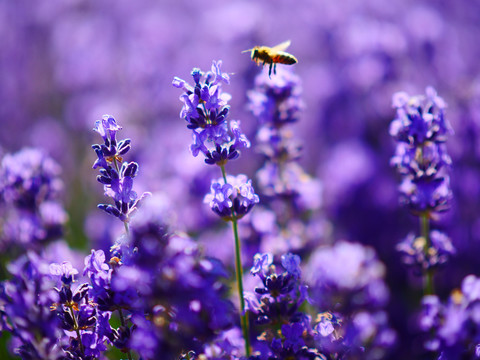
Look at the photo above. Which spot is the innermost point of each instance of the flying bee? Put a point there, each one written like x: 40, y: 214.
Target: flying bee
x: 272, y: 56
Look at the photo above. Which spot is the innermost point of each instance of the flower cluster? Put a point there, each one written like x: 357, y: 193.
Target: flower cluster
x: 280, y: 296
x: 453, y: 327
x: 349, y: 277
x: 79, y: 316
x: 234, y: 197
x: 412, y: 249
x: 288, y: 332
x: 30, y: 188
x: 205, y: 109
x: 178, y: 300
x: 25, y: 302
x: 117, y: 182
x: 349, y: 271
x: 276, y: 103
x: 421, y: 130
x: 275, y: 306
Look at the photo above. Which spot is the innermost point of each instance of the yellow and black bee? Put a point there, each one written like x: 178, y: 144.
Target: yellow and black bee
x: 272, y: 56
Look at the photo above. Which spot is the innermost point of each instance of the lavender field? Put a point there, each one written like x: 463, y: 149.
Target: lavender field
x: 162, y: 197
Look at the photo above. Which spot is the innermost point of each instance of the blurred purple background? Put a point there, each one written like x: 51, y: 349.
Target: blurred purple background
x: 65, y: 64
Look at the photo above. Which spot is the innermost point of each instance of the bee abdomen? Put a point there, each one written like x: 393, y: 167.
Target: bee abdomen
x: 284, y: 58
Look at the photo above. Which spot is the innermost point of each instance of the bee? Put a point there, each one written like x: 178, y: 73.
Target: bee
x: 272, y: 56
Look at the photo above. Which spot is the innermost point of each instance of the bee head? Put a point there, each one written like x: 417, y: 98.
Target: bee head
x: 254, y: 53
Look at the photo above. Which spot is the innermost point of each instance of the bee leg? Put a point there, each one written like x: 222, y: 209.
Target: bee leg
x: 275, y: 69
x: 270, y: 69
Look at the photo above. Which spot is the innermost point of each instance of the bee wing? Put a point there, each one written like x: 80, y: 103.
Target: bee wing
x: 283, y: 46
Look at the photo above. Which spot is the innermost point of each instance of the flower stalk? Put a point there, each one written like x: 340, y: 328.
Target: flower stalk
x: 428, y: 273
x: 239, y: 274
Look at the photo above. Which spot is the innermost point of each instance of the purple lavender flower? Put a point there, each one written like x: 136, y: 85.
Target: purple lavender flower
x: 117, y: 183
x: 347, y: 278
x: 86, y: 309
x: 29, y: 178
x: 276, y: 305
x: 291, y: 263
x: 25, y: 303
x: 100, y: 274
x: 288, y: 332
x: 205, y: 109
x: 413, y: 250
x: 235, y: 198
x: 179, y: 289
x: 452, y: 328
x: 421, y: 130
x: 350, y: 269
x: 261, y: 264
x: 280, y: 296
x: 284, y: 184
x: 277, y: 103
x: 65, y: 270
x: 30, y: 187
x: 276, y: 100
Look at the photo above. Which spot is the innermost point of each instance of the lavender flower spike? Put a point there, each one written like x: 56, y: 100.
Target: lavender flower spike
x: 420, y: 129
x: 117, y: 183
x: 205, y: 108
x: 30, y: 189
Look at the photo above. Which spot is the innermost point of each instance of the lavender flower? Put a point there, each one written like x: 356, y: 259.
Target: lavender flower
x: 100, y: 274
x: 276, y: 101
x: 235, y: 197
x: 205, y: 109
x: 275, y: 303
x: 452, y: 328
x: 30, y: 188
x: 79, y: 316
x: 421, y: 130
x: 179, y: 290
x: 349, y: 271
x: 288, y: 332
x: 413, y: 250
x: 25, y: 303
x: 347, y: 279
x: 117, y: 183
x: 285, y: 185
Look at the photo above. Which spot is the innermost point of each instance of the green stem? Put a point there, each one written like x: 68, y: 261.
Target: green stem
x: 122, y: 321
x: 224, y: 173
x: 428, y: 287
x: 239, y: 273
